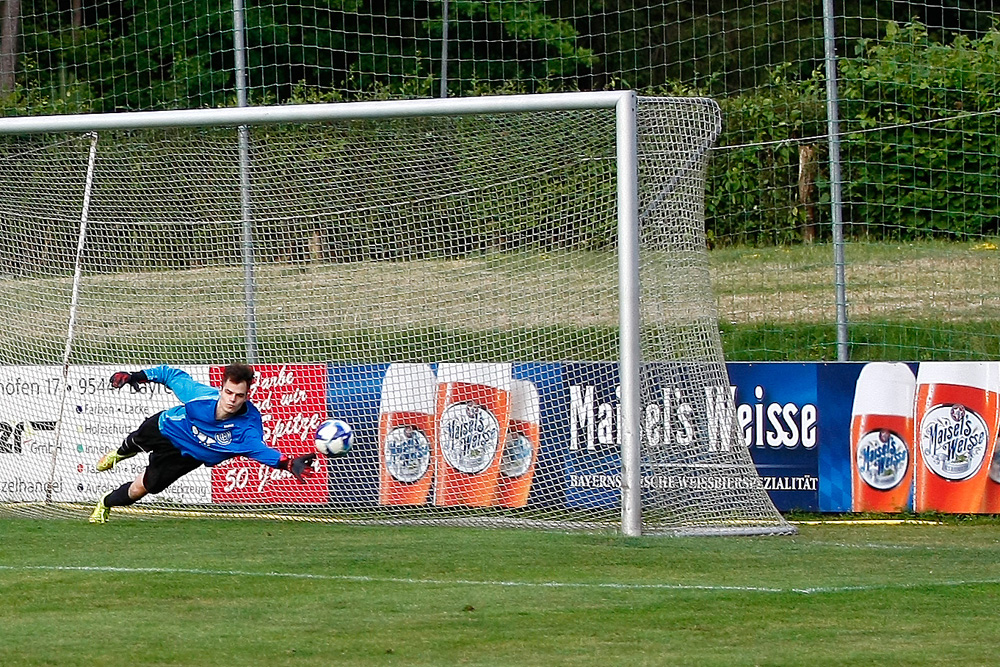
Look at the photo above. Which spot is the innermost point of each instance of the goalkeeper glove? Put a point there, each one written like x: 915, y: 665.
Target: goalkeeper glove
x: 122, y: 378
x: 300, y: 466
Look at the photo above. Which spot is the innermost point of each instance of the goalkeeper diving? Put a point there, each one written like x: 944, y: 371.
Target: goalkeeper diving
x: 211, y: 426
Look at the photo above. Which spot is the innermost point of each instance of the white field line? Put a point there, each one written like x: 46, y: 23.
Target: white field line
x: 491, y: 583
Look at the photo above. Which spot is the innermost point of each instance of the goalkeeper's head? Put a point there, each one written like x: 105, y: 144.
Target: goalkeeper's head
x: 236, y: 381
x: 238, y: 374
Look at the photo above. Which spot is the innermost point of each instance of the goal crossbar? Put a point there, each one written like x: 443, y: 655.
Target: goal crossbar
x: 310, y: 113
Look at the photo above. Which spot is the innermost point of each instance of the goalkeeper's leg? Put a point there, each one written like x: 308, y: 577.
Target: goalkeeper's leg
x: 166, y: 465
x: 140, y: 440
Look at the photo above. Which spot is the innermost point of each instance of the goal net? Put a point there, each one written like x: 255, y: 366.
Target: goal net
x: 450, y: 285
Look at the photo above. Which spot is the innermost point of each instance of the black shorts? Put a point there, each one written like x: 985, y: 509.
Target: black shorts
x: 167, y: 464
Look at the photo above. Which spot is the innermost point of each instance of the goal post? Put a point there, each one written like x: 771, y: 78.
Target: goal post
x: 548, y: 247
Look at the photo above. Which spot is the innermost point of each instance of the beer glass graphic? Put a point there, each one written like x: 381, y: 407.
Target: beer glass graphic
x: 406, y: 430
x: 956, y: 427
x: 473, y: 409
x: 520, y: 451
x: 882, y: 438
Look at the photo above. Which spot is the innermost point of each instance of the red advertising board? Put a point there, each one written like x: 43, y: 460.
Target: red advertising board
x: 291, y: 399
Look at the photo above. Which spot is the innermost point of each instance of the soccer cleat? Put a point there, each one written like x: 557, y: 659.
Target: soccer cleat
x: 109, y: 460
x: 101, y: 512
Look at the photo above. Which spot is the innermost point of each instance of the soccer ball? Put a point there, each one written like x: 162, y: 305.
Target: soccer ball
x: 334, y: 437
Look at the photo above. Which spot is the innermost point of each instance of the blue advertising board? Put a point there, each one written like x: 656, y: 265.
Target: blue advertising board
x: 794, y: 418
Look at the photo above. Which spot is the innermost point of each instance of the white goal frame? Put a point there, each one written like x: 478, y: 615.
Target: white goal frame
x: 625, y: 105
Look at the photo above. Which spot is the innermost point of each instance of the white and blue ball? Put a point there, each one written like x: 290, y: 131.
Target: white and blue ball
x: 334, y: 437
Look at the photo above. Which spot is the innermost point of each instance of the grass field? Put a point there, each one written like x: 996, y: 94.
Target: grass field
x: 195, y: 592
x: 927, y: 300
x: 202, y: 592
x: 914, y: 301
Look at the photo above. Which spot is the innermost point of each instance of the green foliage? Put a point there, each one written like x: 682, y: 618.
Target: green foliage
x: 500, y: 42
x: 72, y: 97
x: 921, y: 148
x: 752, y: 179
x: 166, y: 54
x: 921, y: 145
x: 935, y: 167
x: 133, y: 54
x: 180, y: 51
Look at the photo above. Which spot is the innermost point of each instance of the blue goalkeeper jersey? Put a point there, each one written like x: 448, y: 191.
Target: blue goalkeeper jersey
x: 193, y: 428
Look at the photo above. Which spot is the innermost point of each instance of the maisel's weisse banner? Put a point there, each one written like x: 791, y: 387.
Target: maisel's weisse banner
x: 834, y: 437
x: 873, y: 437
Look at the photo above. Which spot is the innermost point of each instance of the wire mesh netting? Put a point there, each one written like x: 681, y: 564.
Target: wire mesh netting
x: 915, y: 101
x: 448, y: 285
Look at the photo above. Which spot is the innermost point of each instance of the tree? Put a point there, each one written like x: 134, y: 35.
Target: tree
x: 148, y: 54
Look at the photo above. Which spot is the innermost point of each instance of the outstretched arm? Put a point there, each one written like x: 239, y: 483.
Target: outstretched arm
x: 178, y: 381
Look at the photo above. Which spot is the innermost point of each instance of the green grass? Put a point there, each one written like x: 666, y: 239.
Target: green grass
x: 202, y: 592
x: 193, y: 592
x: 905, y: 301
x: 924, y: 340
x: 913, y: 301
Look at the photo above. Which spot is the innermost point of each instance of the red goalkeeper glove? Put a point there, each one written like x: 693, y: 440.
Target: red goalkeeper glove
x: 122, y: 378
x: 300, y: 466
